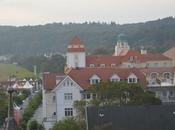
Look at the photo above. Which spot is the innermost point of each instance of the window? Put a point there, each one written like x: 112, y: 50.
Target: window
x: 68, y: 96
x: 115, y: 78
x: 71, y: 84
x: 112, y: 65
x: 94, y: 79
x: 155, y: 64
x: 54, y: 114
x: 131, y: 58
x: 165, y: 64
x: 94, y: 96
x: 91, y: 65
x: 102, y: 65
x: 166, y: 75
x: 132, y: 80
x: 68, y: 111
x: 154, y: 76
x: 67, y: 83
x: 88, y: 96
x: 54, y: 98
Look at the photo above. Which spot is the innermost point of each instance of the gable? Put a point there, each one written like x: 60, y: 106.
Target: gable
x: 68, y: 82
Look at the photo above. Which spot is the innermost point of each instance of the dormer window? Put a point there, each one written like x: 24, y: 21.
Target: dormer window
x: 102, y: 65
x: 92, y: 65
x: 115, y: 78
x: 113, y: 65
x: 132, y: 78
x: 94, y: 79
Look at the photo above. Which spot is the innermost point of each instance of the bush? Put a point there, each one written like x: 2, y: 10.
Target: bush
x: 68, y: 124
x: 30, y: 109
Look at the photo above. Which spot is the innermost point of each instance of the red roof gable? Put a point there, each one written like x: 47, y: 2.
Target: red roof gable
x: 170, y: 53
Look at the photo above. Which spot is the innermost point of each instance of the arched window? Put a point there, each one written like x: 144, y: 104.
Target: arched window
x: 154, y: 75
x: 166, y: 75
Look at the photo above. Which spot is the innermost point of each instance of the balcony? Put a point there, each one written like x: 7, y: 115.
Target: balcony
x: 160, y: 83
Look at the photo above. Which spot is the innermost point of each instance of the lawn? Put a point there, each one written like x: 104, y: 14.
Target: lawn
x: 9, y: 69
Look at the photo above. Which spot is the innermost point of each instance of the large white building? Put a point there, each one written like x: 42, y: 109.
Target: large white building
x: 154, y: 71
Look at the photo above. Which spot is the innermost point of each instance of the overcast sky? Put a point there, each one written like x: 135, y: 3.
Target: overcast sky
x: 32, y: 12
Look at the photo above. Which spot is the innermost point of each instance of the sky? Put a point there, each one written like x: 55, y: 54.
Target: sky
x: 34, y: 12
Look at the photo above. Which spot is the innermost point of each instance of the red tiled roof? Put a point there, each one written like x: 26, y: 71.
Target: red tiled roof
x: 82, y: 75
x: 102, y: 59
x: 76, y: 41
x: 170, y: 53
x: 49, y: 80
x: 132, y: 53
x: 154, y: 57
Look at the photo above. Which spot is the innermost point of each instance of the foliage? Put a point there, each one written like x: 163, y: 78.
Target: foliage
x: 54, y: 63
x: 36, y: 40
x: 20, y: 96
x: 68, y: 124
x: 122, y: 93
x: 107, y: 126
x: 30, y: 109
x: 11, y: 69
x: 3, y: 106
x: 34, y: 125
x: 79, y: 107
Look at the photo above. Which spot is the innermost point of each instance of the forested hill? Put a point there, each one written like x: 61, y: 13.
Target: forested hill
x: 157, y: 35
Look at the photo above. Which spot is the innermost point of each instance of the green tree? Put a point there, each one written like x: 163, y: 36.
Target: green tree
x: 34, y: 125
x: 67, y: 124
x: 3, y: 106
x: 122, y: 93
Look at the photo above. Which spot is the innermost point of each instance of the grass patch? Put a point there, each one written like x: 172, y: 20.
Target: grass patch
x: 9, y: 69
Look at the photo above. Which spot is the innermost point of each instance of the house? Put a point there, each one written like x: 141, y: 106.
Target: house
x: 60, y: 91
x: 153, y: 71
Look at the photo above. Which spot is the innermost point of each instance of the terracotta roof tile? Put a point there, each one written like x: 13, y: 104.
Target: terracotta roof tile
x: 154, y: 57
x: 102, y: 59
x: 170, y: 53
x: 76, y: 41
x: 82, y: 75
x: 49, y: 80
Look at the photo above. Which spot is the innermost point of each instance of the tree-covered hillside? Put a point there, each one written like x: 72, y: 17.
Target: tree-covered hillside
x: 156, y: 35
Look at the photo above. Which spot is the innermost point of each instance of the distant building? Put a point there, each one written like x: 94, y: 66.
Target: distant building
x: 156, y: 72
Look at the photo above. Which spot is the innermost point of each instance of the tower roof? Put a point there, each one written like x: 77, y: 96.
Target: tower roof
x: 76, y: 45
x: 76, y: 41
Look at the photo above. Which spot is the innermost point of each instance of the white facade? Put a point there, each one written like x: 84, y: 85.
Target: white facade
x: 76, y: 59
x: 66, y: 93
x: 62, y: 98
